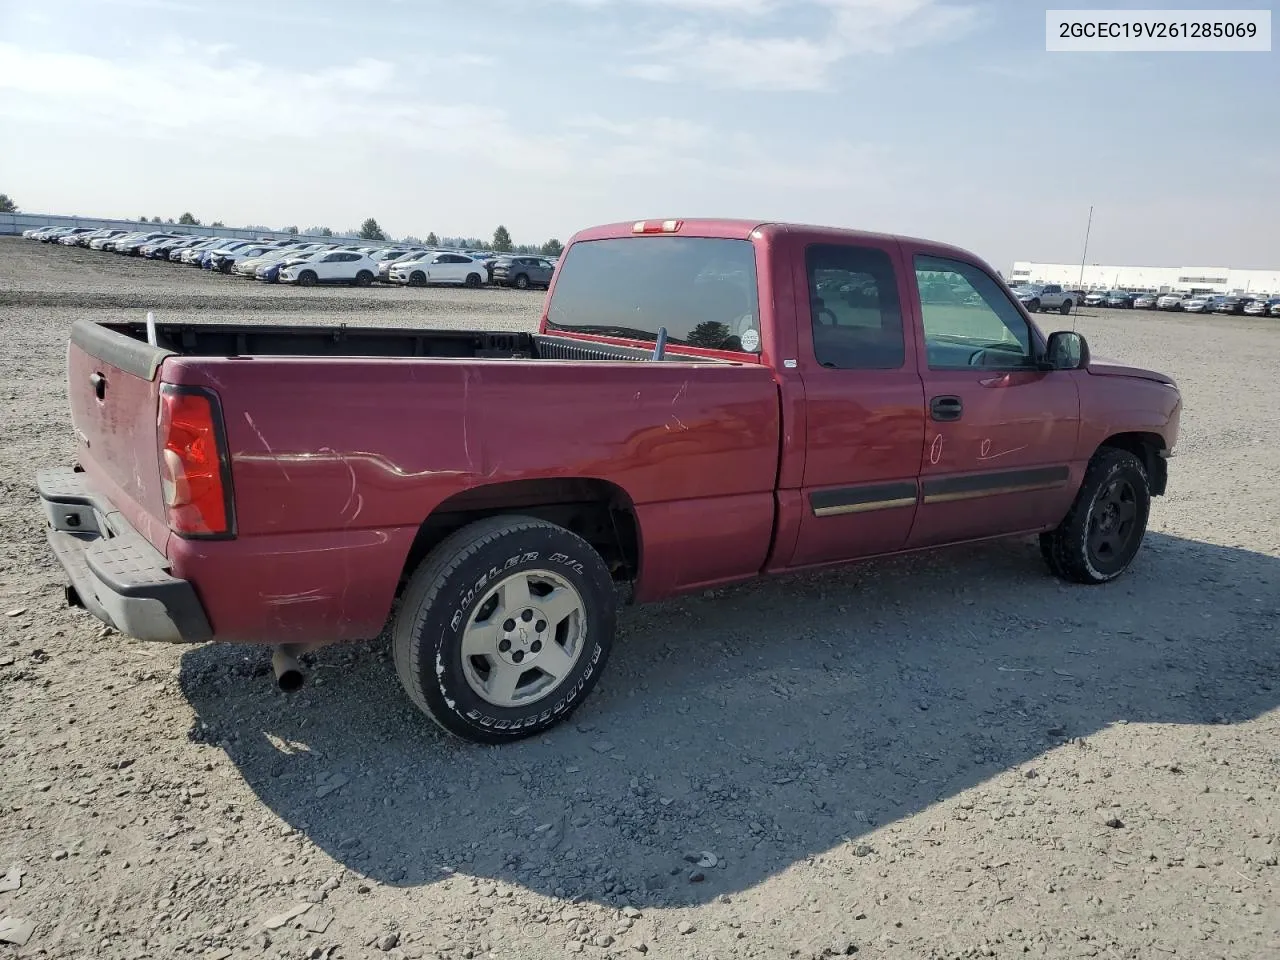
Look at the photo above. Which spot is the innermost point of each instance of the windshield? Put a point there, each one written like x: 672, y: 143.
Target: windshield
x: 702, y: 289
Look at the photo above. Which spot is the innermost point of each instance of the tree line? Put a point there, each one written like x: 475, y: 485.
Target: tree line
x: 369, y: 230
x: 501, y: 242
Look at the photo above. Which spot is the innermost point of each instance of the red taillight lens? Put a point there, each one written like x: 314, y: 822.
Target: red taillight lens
x: 192, y: 468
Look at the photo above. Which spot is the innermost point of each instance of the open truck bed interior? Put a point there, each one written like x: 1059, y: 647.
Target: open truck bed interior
x: 243, y: 340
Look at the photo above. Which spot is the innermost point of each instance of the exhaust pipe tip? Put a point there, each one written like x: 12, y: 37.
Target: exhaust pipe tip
x: 289, y: 673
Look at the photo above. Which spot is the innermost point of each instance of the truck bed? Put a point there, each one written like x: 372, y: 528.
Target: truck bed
x: 244, y: 340
x: 341, y: 442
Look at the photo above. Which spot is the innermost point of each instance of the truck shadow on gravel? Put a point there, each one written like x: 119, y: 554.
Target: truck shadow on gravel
x: 763, y: 725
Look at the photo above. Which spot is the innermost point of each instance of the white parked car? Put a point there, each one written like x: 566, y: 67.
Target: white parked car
x: 133, y: 245
x: 248, y: 266
x: 270, y: 269
x: 109, y: 243
x: 439, y: 268
x: 193, y: 253
x: 1171, y: 301
x: 224, y: 259
x: 72, y: 237
x: 339, y: 266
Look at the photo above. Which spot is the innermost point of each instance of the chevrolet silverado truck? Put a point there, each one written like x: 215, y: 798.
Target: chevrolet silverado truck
x: 1047, y: 296
x: 703, y: 401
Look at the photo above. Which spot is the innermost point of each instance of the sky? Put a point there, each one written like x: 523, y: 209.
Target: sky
x: 943, y: 119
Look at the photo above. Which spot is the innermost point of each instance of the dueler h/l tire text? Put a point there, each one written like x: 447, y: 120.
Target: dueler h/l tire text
x: 505, y: 628
x: 1103, y: 530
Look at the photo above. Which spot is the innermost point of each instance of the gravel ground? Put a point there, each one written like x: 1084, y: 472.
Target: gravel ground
x: 948, y: 755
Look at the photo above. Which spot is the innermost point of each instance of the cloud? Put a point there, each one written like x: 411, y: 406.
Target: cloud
x: 185, y: 88
x: 740, y: 7
x: 267, y: 141
x: 177, y: 90
x: 750, y: 44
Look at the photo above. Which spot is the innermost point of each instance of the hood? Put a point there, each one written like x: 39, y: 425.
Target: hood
x: 1106, y: 367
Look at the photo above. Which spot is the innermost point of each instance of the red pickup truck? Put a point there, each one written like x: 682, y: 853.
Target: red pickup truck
x: 704, y: 401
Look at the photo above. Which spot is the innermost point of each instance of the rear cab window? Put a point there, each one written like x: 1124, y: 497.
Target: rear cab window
x: 855, y: 315
x: 702, y: 289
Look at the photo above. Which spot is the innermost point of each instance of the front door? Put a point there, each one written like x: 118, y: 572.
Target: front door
x: 326, y: 266
x: 864, y: 403
x: 999, y: 431
x: 449, y: 268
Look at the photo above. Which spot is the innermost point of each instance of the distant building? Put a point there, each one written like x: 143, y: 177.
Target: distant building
x: 1153, y: 279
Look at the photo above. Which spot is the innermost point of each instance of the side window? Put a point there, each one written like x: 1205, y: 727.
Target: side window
x: 331, y: 258
x: 968, y: 321
x: 854, y: 310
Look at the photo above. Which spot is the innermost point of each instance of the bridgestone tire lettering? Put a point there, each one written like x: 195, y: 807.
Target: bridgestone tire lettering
x: 443, y: 594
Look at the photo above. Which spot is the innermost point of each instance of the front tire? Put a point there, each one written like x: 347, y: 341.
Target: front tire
x: 417, y: 279
x: 505, y: 628
x: 307, y: 278
x: 1104, y: 529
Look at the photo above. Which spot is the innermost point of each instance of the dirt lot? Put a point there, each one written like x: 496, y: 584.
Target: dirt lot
x: 952, y: 755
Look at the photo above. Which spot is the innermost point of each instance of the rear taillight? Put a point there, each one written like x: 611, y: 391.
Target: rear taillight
x: 194, y: 468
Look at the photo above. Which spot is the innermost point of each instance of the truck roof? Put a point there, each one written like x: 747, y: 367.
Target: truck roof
x: 740, y: 229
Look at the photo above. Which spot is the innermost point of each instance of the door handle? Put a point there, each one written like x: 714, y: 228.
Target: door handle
x: 99, y: 384
x: 946, y: 408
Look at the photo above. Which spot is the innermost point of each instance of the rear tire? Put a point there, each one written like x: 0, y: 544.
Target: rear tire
x: 364, y: 279
x: 522, y: 282
x: 473, y: 280
x: 504, y: 628
x: 1104, y: 529
x: 307, y: 278
x: 1065, y: 308
x: 1034, y: 306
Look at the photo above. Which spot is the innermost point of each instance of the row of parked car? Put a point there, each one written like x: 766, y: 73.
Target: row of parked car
x: 309, y: 263
x: 1049, y: 296
x: 1257, y: 305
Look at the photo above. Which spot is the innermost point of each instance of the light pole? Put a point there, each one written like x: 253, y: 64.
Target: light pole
x: 1085, y: 254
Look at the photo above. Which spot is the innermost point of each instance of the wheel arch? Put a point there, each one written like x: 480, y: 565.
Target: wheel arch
x: 599, y: 511
x: 1148, y: 448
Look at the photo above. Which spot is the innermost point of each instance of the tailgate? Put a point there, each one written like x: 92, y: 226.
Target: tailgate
x: 113, y: 387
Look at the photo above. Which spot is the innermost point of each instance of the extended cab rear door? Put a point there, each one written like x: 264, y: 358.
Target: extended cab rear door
x: 999, y: 432
x: 864, y: 402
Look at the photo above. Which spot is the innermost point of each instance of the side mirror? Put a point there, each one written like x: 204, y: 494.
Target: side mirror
x: 1067, y: 350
